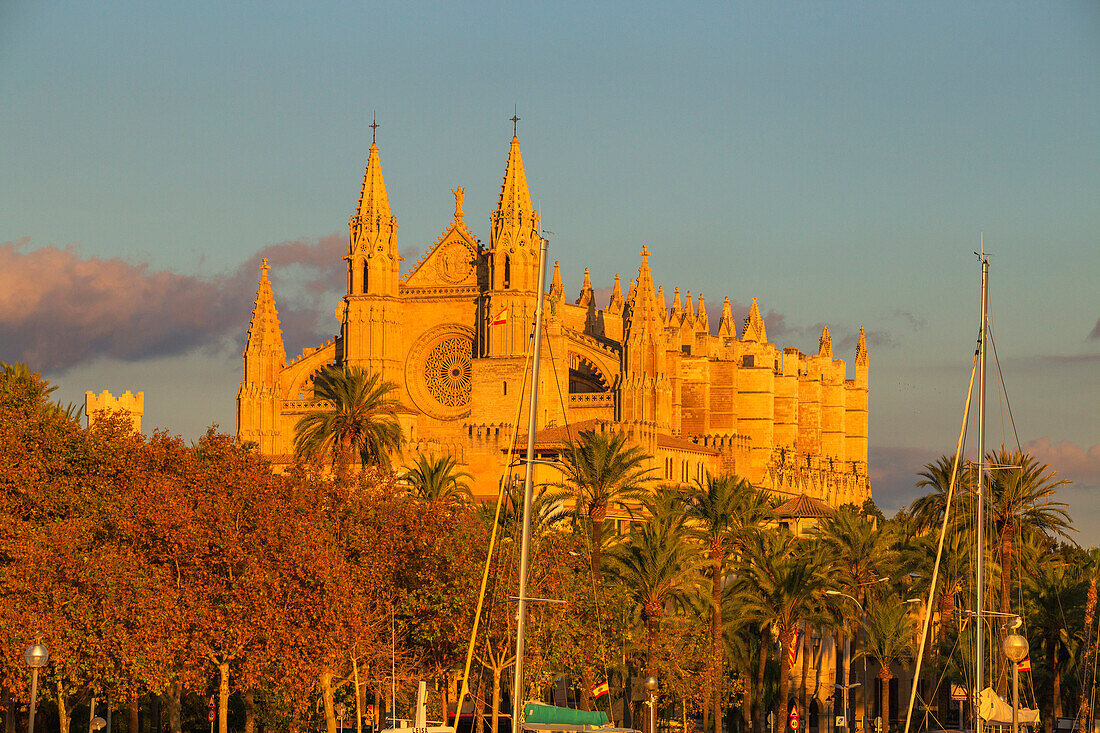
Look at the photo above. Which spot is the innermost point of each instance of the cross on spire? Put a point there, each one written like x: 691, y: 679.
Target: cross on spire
x: 515, y: 119
x: 373, y: 128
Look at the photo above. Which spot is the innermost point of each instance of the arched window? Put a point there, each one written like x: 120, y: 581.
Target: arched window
x: 505, y: 389
x: 507, y: 271
x: 366, y: 275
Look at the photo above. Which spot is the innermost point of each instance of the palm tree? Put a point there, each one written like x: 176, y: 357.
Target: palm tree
x: 927, y: 511
x: 890, y: 632
x: 354, y: 415
x: 656, y: 567
x: 1021, y: 492
x: 782, y: 583
x: 435, y: 478
x: 860, y: 554
x: 721, y: 510
x: 601, y: 472
x: 1057, y: 604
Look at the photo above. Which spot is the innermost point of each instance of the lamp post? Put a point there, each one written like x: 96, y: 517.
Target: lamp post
x: 651, y: 688
x: 1015, y: 648
x: 862, y: 622
x: 37, y: 656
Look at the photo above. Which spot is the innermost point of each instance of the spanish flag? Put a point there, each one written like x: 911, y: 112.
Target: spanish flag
x: 1024, y: 665
x: 600, y: 689
x: 501, y: 318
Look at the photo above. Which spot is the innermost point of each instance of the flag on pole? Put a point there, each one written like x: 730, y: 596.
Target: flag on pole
x: 500, y: 319
x: 1024, y: 665
x: 795, y: 641
x: 600, y: 689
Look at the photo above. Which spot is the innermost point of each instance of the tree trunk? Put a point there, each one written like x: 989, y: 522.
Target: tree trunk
x: 63, y: 711
x: 479, y: 707
x: 807, y: 652
x: 1057, y: 687
x: 784, y: 679
x: 326, y: 695
x: 249, y: 711
x: 758, y: 724
x: 173, y: 696
x: 596, y: 516
x: 447, y: 698
x: 716, y: 565
x: 885, y: 675
x: 496, y: 700
x: 746, y: 702
x: 133, y: 717
x: 223, y: 697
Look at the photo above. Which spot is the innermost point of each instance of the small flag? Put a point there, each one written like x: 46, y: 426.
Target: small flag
x: 501, y: 318
x: 600, y: 689
x: 1024, y: 665
x: 793, y: 655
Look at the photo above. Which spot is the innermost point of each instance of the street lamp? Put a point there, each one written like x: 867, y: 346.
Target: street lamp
x: 863, y: 622
x: 37, y: 656
x: 651, y: 688
x: 1015, y: 648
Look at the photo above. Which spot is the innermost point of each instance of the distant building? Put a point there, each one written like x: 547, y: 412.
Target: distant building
x: 131, y: 405
x: 453, y: 333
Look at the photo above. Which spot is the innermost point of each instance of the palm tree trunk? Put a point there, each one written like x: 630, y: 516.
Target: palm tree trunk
x: 746, y: 703
x: 1090, y: 645
x: 885, y: 675
x: 758, y: 726
x: 803, y: 709
x: 1057, y: 691
x: 596, y: 517
x: 784, y: 678
x: 717, y: 562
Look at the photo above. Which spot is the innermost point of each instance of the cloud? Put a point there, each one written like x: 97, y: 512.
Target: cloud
x: 59, y: 309
x: 1095, y: 330
x: 1071, y: 461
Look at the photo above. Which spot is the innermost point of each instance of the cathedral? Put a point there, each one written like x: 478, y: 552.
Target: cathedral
x: 453, y: 332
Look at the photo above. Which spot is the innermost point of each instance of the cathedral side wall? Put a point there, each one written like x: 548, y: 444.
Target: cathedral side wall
x: 695, y: 396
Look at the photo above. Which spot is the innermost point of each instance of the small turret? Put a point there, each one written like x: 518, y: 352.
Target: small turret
x: 825, y: 345
x: 726, y: 327
x: 557, y: 290
x: 615, y: 305
x: 702, y: 324
x: 753, y: 329
x: 585, y: 298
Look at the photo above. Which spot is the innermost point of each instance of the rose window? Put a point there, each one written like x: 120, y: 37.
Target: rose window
x: 447, y: 369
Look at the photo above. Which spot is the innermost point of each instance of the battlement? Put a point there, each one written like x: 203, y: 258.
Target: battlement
x: 128, y: 403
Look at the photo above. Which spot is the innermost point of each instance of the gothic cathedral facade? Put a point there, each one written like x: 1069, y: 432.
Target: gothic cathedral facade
x: 454, y: 334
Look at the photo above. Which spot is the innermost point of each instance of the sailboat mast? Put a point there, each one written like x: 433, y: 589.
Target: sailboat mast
x: 521, y: 618
x: 979, y: 554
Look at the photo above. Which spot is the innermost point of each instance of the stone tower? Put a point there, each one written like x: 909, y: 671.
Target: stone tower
x: 369, y: 316
x: 258, y: 399
x: 513, y: 259
x: 128, y: 404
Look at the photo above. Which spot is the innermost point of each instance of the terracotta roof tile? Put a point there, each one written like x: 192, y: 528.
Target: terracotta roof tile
x: 803, y: 506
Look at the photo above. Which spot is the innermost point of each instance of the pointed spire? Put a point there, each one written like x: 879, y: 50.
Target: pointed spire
x: 374, y: 203
x: 514, y: 204
x: 662, y: 304
x: 585, y: 297
x: 825, y: 345
x: 861, y: 349
x: 632, y: 292
x: 689, y: 312
x: 557, y: 290
x: 264, y: 332
x: 726, y: 327
x: 676, y: 310
x: 754, y: 326
x: 646, y: 311
x: 615, y: 305
x: 702, y: 323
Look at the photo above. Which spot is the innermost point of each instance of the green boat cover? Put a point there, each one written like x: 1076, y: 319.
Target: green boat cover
x: 551, y: 715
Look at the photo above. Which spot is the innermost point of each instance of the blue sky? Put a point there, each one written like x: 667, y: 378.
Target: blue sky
x: 838, y: 161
